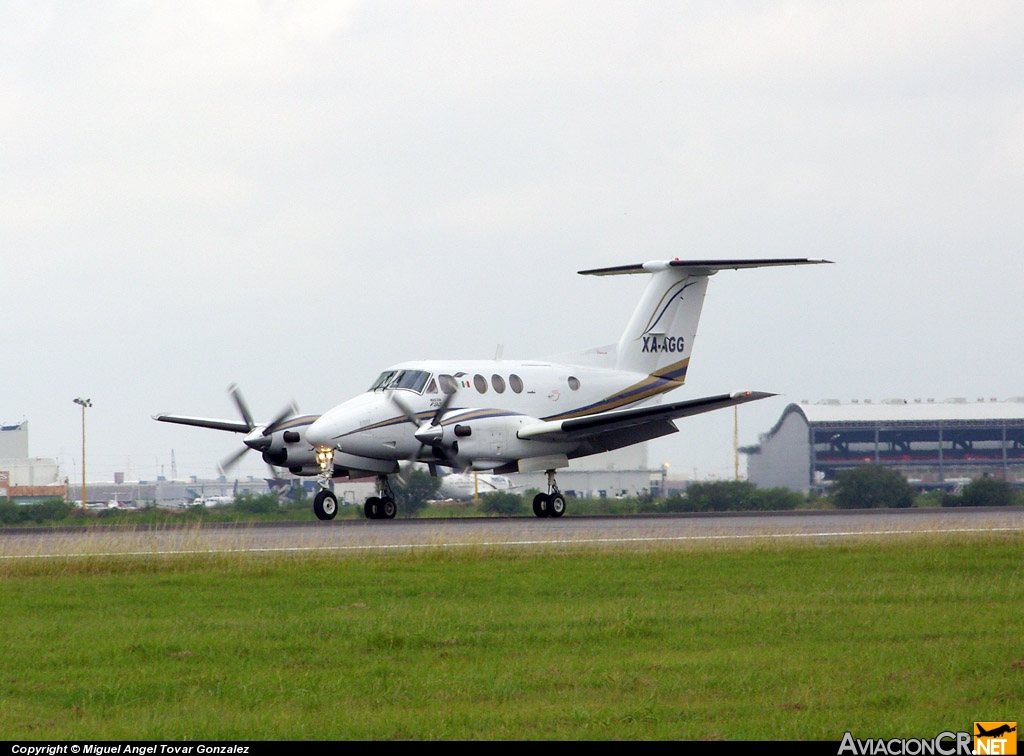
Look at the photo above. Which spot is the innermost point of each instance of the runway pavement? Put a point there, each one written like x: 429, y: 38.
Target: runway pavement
x: 355, y: 536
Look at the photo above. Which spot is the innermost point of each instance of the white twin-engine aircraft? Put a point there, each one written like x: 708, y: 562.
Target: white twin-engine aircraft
x: 509, y: 416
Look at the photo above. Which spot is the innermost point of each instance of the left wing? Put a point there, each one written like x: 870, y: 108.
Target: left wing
x: 203, y: 422
x: 606, y: 431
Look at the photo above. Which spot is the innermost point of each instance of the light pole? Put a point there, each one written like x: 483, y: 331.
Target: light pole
x: 83, y: 403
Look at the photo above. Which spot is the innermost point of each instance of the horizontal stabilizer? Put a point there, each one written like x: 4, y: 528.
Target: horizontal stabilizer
x: 701, y: 267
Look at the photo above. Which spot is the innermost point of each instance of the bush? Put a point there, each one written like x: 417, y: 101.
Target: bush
x: 501, y: 503
x: 261, y: 504
x: 738, y: 496
x: 870, y: 487
x: 13, y: 514
x: 721, y: 496
x: 777, y: 499
x: 50, y: 510
x: 728, y: 496
x: 987, y: 492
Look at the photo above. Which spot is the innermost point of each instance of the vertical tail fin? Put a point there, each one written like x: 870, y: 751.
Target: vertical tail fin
x: 659, y: 338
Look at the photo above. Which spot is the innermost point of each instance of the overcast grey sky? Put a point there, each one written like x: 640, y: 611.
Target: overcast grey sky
x: 293, y: 195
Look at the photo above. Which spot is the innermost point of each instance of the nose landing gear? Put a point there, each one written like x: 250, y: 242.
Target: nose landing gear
x: 325, y: 503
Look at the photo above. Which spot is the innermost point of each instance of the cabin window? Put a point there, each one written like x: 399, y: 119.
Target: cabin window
x: 481, y: 383
x: 515, y: 383
x: 448, y: 384
x: 432, y: 387
x: 498, y: 383
x: 574, y: 383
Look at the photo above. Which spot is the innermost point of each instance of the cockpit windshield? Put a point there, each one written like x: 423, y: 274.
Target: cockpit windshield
x: 383, y: 381
x: 411, y: 380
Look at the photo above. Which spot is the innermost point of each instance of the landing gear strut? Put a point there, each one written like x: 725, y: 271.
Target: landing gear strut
x: 325, y: 503
x: 382, y: 506
x: 551, y: 504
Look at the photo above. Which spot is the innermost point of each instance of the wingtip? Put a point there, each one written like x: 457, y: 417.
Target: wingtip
x: 751, y: 395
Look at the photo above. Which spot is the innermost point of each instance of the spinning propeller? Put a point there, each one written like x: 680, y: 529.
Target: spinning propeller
x: 431, y: 433
x: 257, y: 437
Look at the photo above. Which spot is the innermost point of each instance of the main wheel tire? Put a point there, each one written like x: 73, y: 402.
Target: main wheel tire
x: 325, y: 505
x: 556, y: 505
x: 372, y: 508
x: 541, y: 508
x: 388, y: 508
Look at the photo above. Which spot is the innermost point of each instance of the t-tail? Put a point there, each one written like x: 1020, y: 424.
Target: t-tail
x: 659, y: 338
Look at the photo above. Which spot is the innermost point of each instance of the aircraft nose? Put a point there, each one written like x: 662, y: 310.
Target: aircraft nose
x: 319, y: 434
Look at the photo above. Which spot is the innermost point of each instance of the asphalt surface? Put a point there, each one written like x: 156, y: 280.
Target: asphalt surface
x: 355, y: 536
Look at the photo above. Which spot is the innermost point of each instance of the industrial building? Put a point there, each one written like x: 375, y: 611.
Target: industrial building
x: 24, y: 478
x: 932, y: 444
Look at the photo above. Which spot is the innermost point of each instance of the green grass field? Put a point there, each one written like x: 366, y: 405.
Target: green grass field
x: 902, y: 638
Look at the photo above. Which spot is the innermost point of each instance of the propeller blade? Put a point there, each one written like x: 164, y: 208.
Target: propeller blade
x: 243, y: 408
x: 423, y: 434
x: 232, y: 460
x: 406, y: 410
x: 286, y: 413
x: 445, y: 403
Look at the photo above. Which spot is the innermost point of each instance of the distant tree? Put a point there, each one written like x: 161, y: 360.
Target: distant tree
x: 413, y: 493
x: 502, y: 503
x: 870, y: 487
x: 987, y: 492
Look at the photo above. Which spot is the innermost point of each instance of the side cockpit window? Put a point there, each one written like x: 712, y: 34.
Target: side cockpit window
x: 447, y: 383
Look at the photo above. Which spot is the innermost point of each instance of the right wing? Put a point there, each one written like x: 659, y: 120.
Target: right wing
x: 605, y: 431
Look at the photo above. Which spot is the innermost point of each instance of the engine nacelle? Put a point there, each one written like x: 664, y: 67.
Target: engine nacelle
x: 289, y: 448
x: 491, y: 442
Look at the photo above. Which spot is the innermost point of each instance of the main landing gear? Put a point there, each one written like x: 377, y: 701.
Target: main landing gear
x: 381, y: 507
x: 551, y: 504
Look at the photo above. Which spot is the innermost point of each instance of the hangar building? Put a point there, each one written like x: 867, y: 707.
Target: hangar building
x: 932, y: 444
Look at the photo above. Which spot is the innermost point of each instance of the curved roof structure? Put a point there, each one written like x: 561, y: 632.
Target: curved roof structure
x: 902, y: 411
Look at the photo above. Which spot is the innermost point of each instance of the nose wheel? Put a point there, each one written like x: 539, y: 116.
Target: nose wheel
x: 325, y: 504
